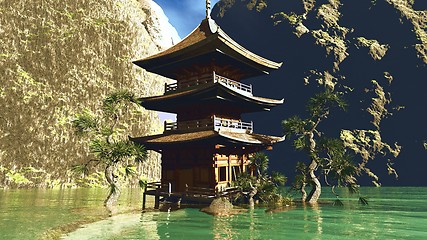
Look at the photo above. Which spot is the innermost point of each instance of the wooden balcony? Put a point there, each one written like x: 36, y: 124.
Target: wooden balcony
x: 208, y: 78
x: 214, y: 123
x: 231, y: 124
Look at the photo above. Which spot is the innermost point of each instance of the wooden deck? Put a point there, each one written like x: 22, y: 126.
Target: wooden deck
x: 199, y: 195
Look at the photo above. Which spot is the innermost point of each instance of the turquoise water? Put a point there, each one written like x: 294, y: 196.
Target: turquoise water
x: 392, y: 213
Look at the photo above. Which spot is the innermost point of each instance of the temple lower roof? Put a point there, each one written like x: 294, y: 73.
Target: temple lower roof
x: 158, y: 142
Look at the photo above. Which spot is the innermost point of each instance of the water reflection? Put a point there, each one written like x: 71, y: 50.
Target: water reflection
x: 243, y: 225
x: 323, y: 221
x: 313, y: 214
x: 149, y: 224
x: 222, y: 228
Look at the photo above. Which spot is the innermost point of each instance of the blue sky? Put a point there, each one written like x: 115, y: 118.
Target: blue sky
x: 184, y: 15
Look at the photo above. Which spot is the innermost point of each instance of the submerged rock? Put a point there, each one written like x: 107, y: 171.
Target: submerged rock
x: 219, y: 207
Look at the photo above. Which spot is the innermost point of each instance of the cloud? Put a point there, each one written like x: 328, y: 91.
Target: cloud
x: 184, y: 15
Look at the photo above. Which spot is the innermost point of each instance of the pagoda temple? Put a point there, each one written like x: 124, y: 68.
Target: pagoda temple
x: 209, y: 145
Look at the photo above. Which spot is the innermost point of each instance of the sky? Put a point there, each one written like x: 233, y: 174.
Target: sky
x: 184, y: 15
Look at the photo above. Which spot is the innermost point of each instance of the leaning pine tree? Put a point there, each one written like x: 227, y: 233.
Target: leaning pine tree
x: 328, y: 155
x: 110, y: 149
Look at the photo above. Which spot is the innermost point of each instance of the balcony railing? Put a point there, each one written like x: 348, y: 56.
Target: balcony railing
x: 208, y: 78
x: 170, y: 126
x: 234, y: 84
x: 214, y: 123
x: 232, y: 124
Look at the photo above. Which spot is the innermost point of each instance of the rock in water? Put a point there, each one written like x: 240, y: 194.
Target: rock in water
x: 219, y: 207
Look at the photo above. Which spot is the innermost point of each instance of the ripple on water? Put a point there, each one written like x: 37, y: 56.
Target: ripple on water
x: 392, y: 213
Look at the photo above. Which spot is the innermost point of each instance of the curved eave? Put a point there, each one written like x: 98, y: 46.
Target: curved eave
x: 210, y: 92
x: 155, y: 142
x: 250, y: 138
x: 207, y: 39
x: 268, y: 64
x: 159, y: 142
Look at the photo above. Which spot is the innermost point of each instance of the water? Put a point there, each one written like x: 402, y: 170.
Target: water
x: 392, y: 213
x: 29, y: 214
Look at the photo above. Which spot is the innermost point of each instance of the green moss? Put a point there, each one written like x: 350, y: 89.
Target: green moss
x: 376, y: 50
x: 378, y: 108
x: 419, y: 21
x: 259, y: 5
x: 333, y: 44
x: 368, y: 144
x: 329, y: 14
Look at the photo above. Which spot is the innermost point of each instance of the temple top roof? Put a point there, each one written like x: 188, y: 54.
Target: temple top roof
x: 208, y: 44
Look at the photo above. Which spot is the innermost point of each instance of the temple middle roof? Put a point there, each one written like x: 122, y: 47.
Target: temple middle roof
x: 212, y: 92
x: 207, y: 43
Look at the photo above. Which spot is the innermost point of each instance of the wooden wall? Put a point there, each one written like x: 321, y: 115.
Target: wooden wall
x: 201, y: 168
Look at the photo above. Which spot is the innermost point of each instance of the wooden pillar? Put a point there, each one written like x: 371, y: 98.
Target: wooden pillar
x: 242, y: 165
x: 144, y: 197
x: 229, y: 177
x: 157, y: 198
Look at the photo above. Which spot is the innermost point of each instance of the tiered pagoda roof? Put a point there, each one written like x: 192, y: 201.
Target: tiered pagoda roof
x: 207, y: 43
x: 208, y: 46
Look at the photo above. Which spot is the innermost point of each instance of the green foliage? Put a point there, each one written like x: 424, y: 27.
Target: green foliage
x: 301, y: 177
x: 17, y: 178
x: 117, y: 100
x: 294, y: 125
x: 329, y: 154
x: 322, y: 102
x: 117, y: 151
x: 142, y: 183
x: 336, y: 162
x: 267, y: 186
x: 278, y: 178
x: 245, y: 181
x: 300, y: 143
x: 80, y: 169
x: 84, y: 122
x: 108, y: 146
x: 259, y: 161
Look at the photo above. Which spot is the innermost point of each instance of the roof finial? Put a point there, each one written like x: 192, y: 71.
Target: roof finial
x: 208, y: 9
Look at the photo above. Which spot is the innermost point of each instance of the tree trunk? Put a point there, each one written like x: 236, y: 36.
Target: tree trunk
x: 251, y: 195
x: 317, y: 187
x: 303, y: 192
x: 114, y: 193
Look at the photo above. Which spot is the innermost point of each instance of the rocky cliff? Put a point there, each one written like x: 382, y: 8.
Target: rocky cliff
x: 60, y: 57
x: 373, y: 52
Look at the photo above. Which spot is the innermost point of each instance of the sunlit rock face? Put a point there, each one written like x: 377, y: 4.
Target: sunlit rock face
x: 374, y: 52
x: 60, y: 57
